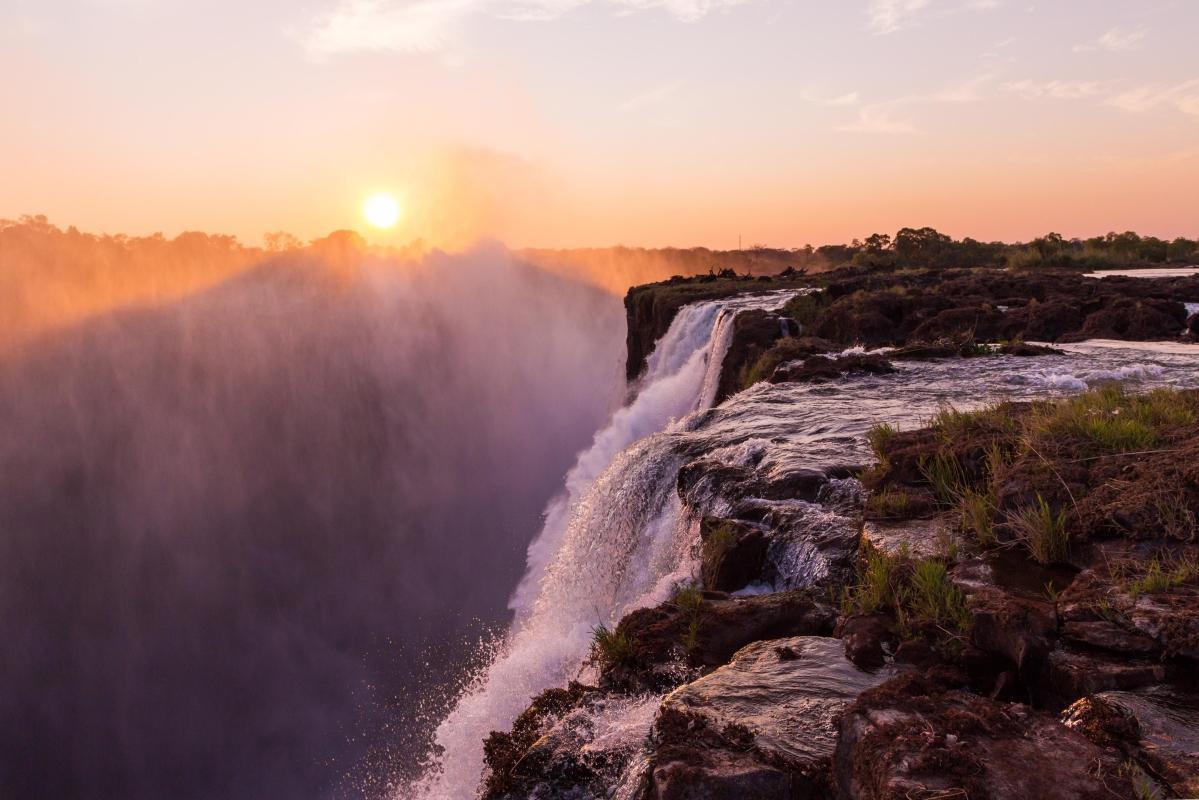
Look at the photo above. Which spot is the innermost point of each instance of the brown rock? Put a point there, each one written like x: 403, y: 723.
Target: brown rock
x: 733, y: 553
x: 667, y: 636
x: 911, y: 738
x: 1158, y: 728
x: 764, y: 726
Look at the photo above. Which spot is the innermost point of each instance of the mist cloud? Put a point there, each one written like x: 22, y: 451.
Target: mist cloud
x: 239, y: 525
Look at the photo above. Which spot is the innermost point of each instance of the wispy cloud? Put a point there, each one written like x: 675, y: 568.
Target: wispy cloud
x: 1182, y: 97
x: 880, y: 119
x: 423, y: 26
x: 1115, y: 40
x: 889, y: 116
x: 819, y: 98
x: 1054, y: 90
x: 888, y: 16
x: 650, y: 98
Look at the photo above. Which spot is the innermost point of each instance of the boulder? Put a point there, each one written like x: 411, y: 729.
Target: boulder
x: 919, y: 538
x: 1074, y: 673
x: 1016, y: 626
x: 754, y: 332
x: 980, y: 323
x: 821, y: 369
x: 734, y: 553
x: 1101, y: 610
x: 866, y: 638
x: 1132, y: 318
x: 1157, y: 728
x: 915, y: 737
x: 768, y: 723
x: 668, y: 642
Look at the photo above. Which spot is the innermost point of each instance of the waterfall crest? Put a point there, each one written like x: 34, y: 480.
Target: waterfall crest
x: 614, y: 539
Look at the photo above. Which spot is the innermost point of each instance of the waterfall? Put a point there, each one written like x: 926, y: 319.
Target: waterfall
x: 614, y: 540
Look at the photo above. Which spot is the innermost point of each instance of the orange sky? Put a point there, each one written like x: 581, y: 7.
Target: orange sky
x: 595, y: 122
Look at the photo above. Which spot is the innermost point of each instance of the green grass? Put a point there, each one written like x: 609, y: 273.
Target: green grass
x: 977, y: 511
x: 874, y: 591
x: 933, y: 598
x: 917, y: 592
x: 1161, y: 577
x: 880, y: 438
x: 610, y: 648
x: 805, y: 308
x: 689, y: 599
x: 1042, y: 531
x: 889, y: 504
x: 1176, y: 518
x: 952, y: 424
x: 977, y: 349
x: 716, y: 547
x: 1109, y: 419
x: 946, y: 476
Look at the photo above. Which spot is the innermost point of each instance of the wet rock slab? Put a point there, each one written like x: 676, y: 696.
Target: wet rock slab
x: 1158, y: 728
x: 762, y: 726
x: 821, y: 369
x: 912, y: 737
x: 919, y: 538
x: 721, y: 626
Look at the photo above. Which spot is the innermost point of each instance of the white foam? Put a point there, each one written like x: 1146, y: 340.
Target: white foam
x: 614, y: 540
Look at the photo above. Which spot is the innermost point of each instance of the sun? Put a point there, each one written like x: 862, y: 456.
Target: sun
x: 381, y: 210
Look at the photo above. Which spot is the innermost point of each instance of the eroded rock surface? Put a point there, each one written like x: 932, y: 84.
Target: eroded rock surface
x: 914, y: 737
x: 769, y: 718
x: 1158, y: 728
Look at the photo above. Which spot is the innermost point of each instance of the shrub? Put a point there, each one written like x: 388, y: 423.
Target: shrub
x: 1042, y: 531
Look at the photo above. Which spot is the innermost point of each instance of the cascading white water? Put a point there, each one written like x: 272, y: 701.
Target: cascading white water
x: 612, y: 541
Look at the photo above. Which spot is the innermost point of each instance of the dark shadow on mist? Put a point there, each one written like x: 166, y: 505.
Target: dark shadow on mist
x: 233, y: 528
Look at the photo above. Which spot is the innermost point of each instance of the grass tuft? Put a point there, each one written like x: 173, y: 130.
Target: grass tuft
x: 917, y: 592
x: 610, y: 648
x: 1109, y: 419
x: 880, y: 438
x: 1161, y: 577
x: 889, y: 504
x: 690, y: 600
x: 933, y: 598
x: 946, y: 476
x: 977, y: 510
x: 874, y: 591
x: 1042, y: 531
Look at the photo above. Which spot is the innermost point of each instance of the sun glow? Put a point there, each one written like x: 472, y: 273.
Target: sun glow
x: 381, y: 210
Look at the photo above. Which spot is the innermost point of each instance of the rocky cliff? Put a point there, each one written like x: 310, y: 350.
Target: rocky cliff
x: 917, y: 309
x: 1003, y: 603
